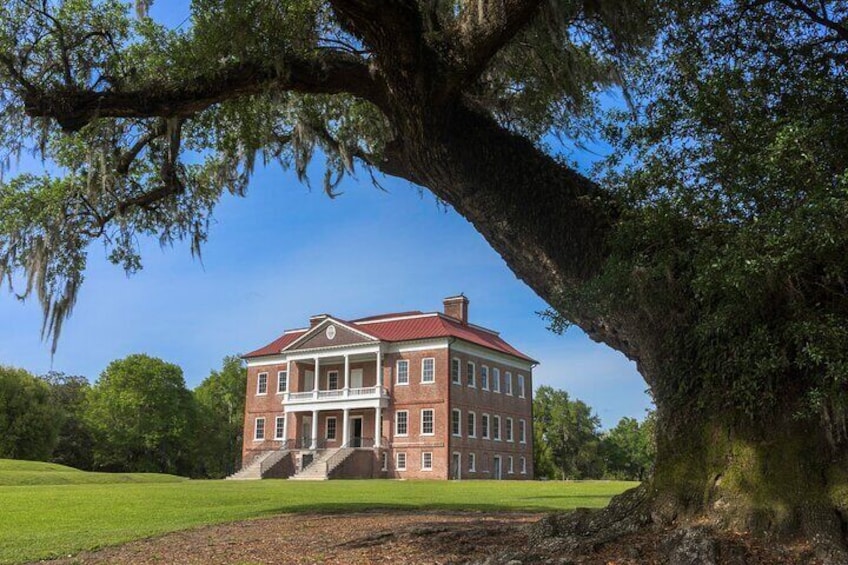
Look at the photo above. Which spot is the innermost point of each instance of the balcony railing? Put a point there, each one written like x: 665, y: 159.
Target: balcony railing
x: 336, y: 394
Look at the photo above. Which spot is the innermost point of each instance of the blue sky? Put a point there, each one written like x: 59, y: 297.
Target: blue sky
x: 285, y: 253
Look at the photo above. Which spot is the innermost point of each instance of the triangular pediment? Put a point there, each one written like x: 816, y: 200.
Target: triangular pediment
x: 331, y: 333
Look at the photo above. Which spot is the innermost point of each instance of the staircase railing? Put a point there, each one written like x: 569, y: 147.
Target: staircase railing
x: 275, y: 457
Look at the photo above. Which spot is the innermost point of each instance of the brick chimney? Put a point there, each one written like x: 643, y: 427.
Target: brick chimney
x: 317, y: 319
x: 457, y: 307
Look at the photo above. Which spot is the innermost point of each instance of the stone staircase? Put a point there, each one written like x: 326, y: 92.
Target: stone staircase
x: 260, y: 465
x: 323, y: 464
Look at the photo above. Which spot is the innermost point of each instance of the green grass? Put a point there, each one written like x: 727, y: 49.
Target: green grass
x: 17, y: 473
x: 46, y: 520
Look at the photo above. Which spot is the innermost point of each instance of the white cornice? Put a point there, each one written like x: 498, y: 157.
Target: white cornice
x: 484, y: 352
x: 325, y: 322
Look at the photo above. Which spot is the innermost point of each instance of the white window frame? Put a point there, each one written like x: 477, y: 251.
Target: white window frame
x: 508, y: 383
x: 496, y: 428
x: 279, y: 431
x: 472, y: 429
x: 256, y: 436
x: 259, y: 391
x: 456, y: 377
x: 281, y: 379
x: 521, y: 391
x: 384, y: 461
x: 456, y: 422
x: 471, y: 374
x: 484, y: 429
x: 484, y: 377
x: 523, y: 465
x: 508, y: 430
x: 510, y: 467
x: 336, y: 373
x: 472, y: 463
x: 424, y: 371
x: 496, y: 380
x: 522, y: 431
x: 400, y: 461
x: 397, y: 423
x: 327, y: 428
x: 432, y: 421
x: 424, y: 456
x: 405, y: 363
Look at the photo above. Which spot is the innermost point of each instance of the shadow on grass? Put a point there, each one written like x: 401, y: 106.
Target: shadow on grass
x: 352, y: 507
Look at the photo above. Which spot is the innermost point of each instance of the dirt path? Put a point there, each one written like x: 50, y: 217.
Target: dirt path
x: 348, y: 539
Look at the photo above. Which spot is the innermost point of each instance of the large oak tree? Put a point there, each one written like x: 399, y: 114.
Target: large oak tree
x: 712, y: 251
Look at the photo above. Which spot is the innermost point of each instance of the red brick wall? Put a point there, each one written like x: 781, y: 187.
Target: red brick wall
x: 267, y: 406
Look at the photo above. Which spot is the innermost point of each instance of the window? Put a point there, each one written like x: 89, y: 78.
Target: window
x: 508, y: 383
x: 333, y: 380
x: 331, y: 427
x: 496, y: 428
x: 456, y: 372
x: 509, y: 467
x: 456, y: 423
x: 523, y: 466
x: 384, y: 461
x: 403, y: 372
x: 471, y: 425
x: 522, y: 431
x: 282, y: 382
x: 262, y: 383
x: 472, y: 463
x: 428, y: 370
x: 484, y: 426
x: 470, y: 376
x: 259, y: 429
x: 521, y: 386
x: 508, y: 430
x: 427, y: 428
x: 280, y: 428
x: 484, y: 377
x: 427, y: 461
x: 496, y: 379
x: 400, y: 461
x: 402, y: 423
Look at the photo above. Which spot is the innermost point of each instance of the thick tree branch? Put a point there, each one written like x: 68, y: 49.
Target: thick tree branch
x: 820, y: 18
x: 483, y: 28
x: 325, y: 74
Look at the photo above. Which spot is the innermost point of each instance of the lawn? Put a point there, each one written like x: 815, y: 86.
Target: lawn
x: 42, y: 520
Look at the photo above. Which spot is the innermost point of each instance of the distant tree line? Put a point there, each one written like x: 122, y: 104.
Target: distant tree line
x: 138, y: 416
x: 569, y: 443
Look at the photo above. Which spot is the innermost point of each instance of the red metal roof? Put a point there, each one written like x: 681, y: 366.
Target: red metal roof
x: 410, y: 326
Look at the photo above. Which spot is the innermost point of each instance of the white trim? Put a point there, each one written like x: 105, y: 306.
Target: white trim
x: 384, y: 461
x: 494, y: 427
x: 259, y: 381
x: 473, y: 373
x: 416, y: 345
x: 361, y: 419
x: 398, y: 466
x: 458, y: 455
x: 523, y: 465
x: 522, y: 430
x: 322, y: 325
x: 454, y: 412
x: 487, y: 427
x: 472, y: 462
x: 421, y: 429
x: 277, y: 428
x: 397, y: 372
x: 332, y: 351
x: 278, y: 382
x: 510, y: 468
x: 488, y: 385
x: 423, y: 361
x: 508, y: 379
x: 458, y: 362
x: 468, y: 429
x: 266, y: 360
x: 510, y: 437
x: 256, y: 429
x: 336, y: 372
x: 495, y: 380
x: 469, y: 348
x: 327, y: 428
x: 426, y: 467
x: 522, y: 386
x: 396, y: 434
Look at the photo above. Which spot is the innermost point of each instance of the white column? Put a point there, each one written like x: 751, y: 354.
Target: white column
x: 314, y: 430
x: 345, y: 427
x: 378, y: 426
x: 379, y: 370
x: 347, y: 374
x: 316, y: 379
x: 285, y: 430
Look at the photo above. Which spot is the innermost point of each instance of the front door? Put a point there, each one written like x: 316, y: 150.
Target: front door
x: 306, y: 432
x: 456, y: 472
x: 497, y: 467
x: 356, y: 378
x: 355, y: 439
